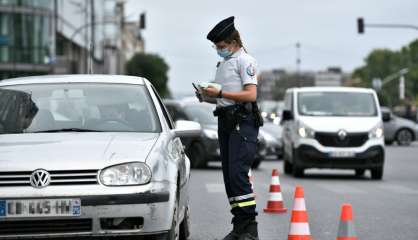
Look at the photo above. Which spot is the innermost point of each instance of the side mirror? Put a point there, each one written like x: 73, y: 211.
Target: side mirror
x: 386, y: 116
x: 287, y: 115
x: 187, y: 128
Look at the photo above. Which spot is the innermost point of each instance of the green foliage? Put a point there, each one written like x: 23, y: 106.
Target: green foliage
x: 381, y: 63
x: 151, y: 67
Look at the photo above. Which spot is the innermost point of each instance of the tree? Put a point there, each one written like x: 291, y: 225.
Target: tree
x: 381, y: 63
x: 151, y: 67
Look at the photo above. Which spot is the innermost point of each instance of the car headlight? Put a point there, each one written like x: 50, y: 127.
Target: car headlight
x: 135, y: 173
x: 306, y: 132
x: 212, y: 134
x: 377, y: 132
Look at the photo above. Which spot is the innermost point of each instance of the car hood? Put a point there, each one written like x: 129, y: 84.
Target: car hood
x: 404, y: 122
x: 72, y: 151
x: 334, y: 124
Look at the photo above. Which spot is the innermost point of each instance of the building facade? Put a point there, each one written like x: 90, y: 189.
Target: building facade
x: 60, y: 37
x: 26, y: 37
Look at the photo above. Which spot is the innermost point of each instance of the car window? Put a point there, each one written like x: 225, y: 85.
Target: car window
x: 86, y: 106
x: 167, y: 116
x: 175, y: 113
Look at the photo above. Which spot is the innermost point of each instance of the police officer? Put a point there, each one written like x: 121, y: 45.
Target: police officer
x: 238, y: 124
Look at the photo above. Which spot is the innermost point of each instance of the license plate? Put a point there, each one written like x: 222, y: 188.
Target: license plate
x: 342, y: 154
x: 24, y: 208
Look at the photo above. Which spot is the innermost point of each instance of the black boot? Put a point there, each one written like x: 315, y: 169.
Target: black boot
x: 238, y: 229
x: 250, y: 232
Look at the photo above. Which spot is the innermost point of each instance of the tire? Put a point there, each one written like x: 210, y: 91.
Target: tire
x: 377, y: 173
x: 360, y: 172
x: 185, y: 225
x: 404, y: 137
x: 174, y: 232
x: 256, y: 163
x: 287, y: 167
x: 197, y: 155
x: 297, y: 171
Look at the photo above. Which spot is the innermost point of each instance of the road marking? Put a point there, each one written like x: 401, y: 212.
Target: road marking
x: 215, y: 188
x: 398, y: 189
x: 342, y: 189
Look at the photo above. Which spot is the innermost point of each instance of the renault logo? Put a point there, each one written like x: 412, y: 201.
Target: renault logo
x: 40, y: 178
x: 342, y: 135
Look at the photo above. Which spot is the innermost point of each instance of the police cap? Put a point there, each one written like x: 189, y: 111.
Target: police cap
x: 222, y: 30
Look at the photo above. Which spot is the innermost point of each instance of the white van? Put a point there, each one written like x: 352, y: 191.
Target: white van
x: 332, y: 127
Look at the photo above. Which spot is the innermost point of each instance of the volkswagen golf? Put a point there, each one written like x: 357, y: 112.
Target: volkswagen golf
x: 91, y: 155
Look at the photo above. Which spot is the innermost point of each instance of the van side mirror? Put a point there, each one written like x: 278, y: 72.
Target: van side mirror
x: 287, y: 115
x: 386, y: 116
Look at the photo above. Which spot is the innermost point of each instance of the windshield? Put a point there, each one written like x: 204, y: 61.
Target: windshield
x: 354, y: 104
x: 201, y: 113
x: 76, y: 107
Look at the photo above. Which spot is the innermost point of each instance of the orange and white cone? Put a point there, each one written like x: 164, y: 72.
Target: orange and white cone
x: 275, y: 202
x: 299, y: 226
x: 346, y: 230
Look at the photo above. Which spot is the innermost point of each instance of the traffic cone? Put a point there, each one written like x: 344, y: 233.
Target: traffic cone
x: 299, y: 226
x: 275, y: 202
x: 346, y: 230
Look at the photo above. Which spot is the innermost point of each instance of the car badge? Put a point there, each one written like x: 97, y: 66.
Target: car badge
x: 40, y: 178
x: 342, y: 135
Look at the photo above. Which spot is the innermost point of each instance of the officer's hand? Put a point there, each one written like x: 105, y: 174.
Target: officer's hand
x: 211, y: 91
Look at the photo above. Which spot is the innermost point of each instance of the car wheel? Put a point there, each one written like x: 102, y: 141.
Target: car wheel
x: 360, y: 172
x: 185, y: 225
x: 287, y: 166
x: 197, y: 155
x: 377, y: 173
x: 256, y: 163
x: 404, y: 137
x: 174, y: 233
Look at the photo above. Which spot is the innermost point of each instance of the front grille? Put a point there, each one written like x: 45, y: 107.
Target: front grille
x: 332, y: 139
x: 73, y: 177
x: 24, y: 227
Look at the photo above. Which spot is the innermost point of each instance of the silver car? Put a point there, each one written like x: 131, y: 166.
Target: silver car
x: 91, y: 155
x: 397, y: 129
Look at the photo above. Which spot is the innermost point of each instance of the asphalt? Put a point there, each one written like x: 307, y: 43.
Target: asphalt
x: 386, y: 209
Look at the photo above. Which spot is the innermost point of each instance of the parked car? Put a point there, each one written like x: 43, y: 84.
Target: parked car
x: 205, y: 148
x: 397, y: 129
x: 91, y: 155
x: 333, y: 127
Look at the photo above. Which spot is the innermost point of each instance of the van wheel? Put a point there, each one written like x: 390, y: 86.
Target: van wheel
x: 360, y: 172
x: 296, y: 170
x: 377, y: 173
x: 287, y: 167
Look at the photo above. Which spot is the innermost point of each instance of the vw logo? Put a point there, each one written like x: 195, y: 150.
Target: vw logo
x: 342, y: 135
x: 40, y: 178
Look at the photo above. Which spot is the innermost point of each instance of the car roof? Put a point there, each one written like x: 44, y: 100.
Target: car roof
x: 333, y: 89
x: 74, y: 78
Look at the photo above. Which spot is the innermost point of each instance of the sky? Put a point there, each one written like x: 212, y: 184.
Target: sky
x: 270, y: 29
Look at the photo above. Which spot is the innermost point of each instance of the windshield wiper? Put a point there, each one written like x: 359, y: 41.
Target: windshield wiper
x: 68, y: 130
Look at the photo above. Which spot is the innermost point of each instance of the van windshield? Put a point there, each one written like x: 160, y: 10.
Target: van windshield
x: 355, y: 104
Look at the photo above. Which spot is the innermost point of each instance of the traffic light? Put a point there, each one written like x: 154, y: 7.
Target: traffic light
x: 142, y: 21
x: 360, y: 25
